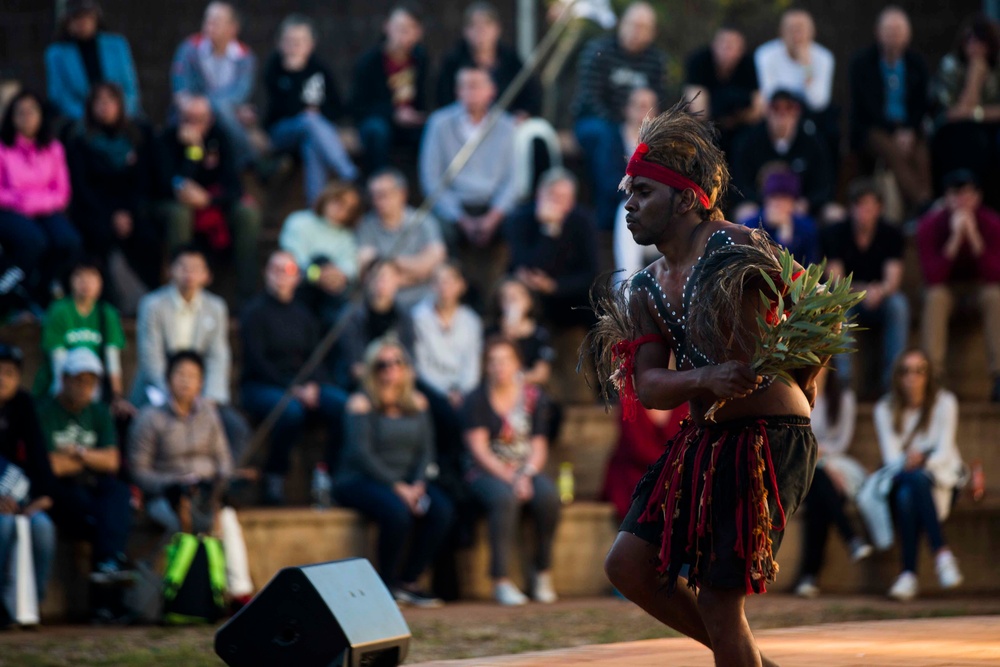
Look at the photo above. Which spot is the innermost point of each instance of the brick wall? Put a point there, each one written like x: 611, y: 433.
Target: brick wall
x: 347, y: 27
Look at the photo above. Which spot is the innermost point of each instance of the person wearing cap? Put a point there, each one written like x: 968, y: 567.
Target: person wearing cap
x: 91, y: 503
x: 871, y: 250
x: 795, y: 231
x: 781, y: 139
x: 84, y: 55
x: 960, y: 244
x: 22, y: 457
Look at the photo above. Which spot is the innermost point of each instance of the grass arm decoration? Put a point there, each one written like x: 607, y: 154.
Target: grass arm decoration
x: 800, y: 322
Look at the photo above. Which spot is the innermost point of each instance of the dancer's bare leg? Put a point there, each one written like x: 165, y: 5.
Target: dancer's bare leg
x: 631, y: 567
x: 726, y: 623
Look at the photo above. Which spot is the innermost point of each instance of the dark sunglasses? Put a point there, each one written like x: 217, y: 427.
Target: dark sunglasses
x: 385, y: 364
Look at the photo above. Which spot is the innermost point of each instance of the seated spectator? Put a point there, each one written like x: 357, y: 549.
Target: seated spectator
x: 34, y: 193
x: 795, y: 62
x: 378, y: 315
x: 91, y: 503
x: 553, y: 249
x: 183, y: 315
x: 279, y: 335
x: 480, y: 46
x: 204, y: 192
x: 961, y: 244
x: 474, y: 203
x: 782, y: 140
x: 389, y: 93
x: 302, y: 103
x: 506, y: 426
x: 871, y: 250
x: 630, y: 257
x: 214, y: 64
x: 836, y: 480
x: 517, y: 320
x: 323, y: 242
x: 610, y: 68
x: 449, y: 337
x: 721, y: 82
x: 84, y: 319
x: 915, y: 424
x: 640, y: 445
x: 794, y: 231
x: 966, y: 94
x: 889, y: 83
x: 110, y: 164
x: 392, y: 231
x: 84, y: 55
x: 384, y: 472
x: 179, y: 446
x: 22, y: 445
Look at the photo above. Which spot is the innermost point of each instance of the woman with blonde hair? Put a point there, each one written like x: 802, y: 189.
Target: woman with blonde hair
x: 387, y: 460
x: 916, y: 424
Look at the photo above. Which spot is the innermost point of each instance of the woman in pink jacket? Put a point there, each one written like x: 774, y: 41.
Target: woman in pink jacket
x: 34, y: 192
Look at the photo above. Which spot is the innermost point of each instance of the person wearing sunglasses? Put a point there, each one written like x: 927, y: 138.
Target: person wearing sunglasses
x: 386, y: 468
x: 916, y: 424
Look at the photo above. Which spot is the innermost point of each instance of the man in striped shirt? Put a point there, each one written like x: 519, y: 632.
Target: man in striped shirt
x: 610, y: 68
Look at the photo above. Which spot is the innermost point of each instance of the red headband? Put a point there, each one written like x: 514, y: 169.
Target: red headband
x: 638, y: 166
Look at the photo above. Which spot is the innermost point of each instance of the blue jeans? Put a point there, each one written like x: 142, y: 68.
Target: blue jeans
x: 100, y: 514
x: 915, y: 511
x: 45, y: 247
x: 319, y: 144
x: 258, y: 400
x: 603, y: 151
x: 893, y: 316
x: 397, y: 525
x: 43, y: 551
x: 503, y: 511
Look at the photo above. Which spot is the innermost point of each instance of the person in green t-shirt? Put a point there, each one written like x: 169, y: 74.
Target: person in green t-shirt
x: 83, y: 320
x: 90, y: 502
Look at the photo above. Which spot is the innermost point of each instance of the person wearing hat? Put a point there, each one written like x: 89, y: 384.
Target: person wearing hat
x: 781, y: 139
x: 22, y: 459
x: 84, y: 55
x: 91, y: 503
x: 958, y: 244
x: 792, y: 230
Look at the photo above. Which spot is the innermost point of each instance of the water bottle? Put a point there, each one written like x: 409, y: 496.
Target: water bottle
x: 978, y: 481
x: 566, y: 482
x: 321, y: 486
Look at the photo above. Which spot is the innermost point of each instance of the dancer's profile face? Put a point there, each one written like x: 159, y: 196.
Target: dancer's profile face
x: 649, y: 210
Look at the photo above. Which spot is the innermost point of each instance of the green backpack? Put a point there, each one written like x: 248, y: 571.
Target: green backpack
x: 194, y: 583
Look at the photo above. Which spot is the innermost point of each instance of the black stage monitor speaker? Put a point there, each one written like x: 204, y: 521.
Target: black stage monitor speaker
x: 336, y: 614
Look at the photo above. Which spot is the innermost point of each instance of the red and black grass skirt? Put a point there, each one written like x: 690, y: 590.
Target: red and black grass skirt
x: 716, y: 502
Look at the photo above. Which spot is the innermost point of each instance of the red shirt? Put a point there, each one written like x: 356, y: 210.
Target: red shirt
x: 402, y: 80
x: 932, y: 235
x: 640, y: 444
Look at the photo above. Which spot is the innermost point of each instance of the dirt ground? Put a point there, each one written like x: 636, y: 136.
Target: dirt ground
x: 467, y: 630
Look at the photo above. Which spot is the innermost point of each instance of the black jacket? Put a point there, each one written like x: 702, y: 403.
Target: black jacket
x: 868, y: 93
x: 23, y: 444
x: 807, y: 157
x: 278, y: 338
x: 370, y: 93
x: 507, y: 66
x: 213, y: 168
x: 289, y: 93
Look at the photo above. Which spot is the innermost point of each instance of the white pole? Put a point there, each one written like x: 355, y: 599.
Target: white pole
x: 527, y: 28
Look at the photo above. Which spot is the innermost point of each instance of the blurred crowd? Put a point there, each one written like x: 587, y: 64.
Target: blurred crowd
x: 435, y: 399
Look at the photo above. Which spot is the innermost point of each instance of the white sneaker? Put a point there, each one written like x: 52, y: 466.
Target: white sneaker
x: 904, y: 588
x: 509, y: 595
x: 947, y: 570
x: 544, y: 591
x: 807, y: 588
x: 860, y: 550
